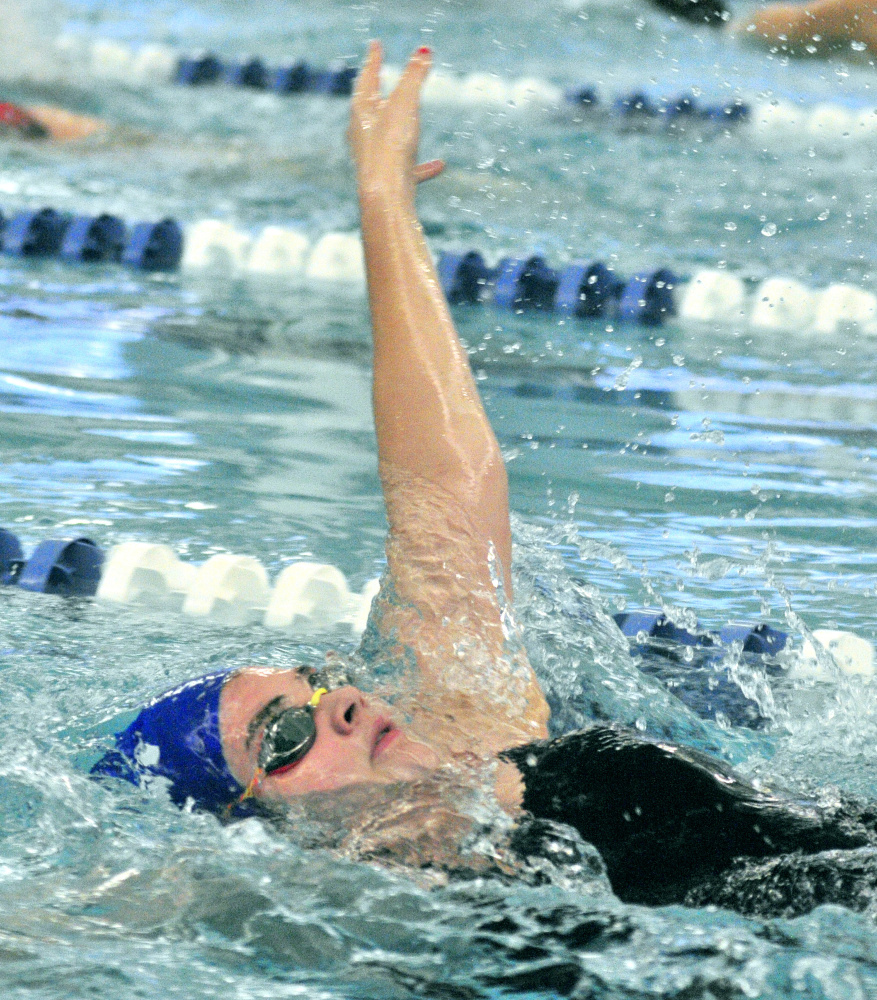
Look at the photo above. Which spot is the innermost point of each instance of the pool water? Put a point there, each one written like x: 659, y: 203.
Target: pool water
x: 718, y: 471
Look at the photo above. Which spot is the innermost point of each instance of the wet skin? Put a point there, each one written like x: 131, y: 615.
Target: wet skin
x: 357, y: 740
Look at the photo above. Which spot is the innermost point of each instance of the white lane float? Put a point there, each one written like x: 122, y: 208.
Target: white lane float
x: 852, y: 655
x: 235, y: 589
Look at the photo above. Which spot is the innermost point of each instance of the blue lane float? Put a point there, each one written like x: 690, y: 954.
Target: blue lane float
x: 11, y: 557
x: 585, y: 290
x: 693, y: 665
x: 69, y: 567
x: 146, y: 246
x: 703, y: 668
x: 638, y: 107
x: 34, y: 234
x: 648, y: 298
x: 90, y: 239
x: 154, y: 246
x: 642, y: 625
x: 298, y: 78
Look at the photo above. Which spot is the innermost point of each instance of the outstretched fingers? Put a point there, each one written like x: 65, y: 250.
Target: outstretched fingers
x: 407, y: 91
x: 383, y: 134
x: 368, y: 80
x: 426, y: 171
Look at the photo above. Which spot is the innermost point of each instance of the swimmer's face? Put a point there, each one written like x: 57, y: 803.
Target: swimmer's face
x: 357, y: 740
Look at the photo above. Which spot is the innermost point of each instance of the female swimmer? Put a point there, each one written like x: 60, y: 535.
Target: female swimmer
x: 671, y: 824
x: 448, y: 550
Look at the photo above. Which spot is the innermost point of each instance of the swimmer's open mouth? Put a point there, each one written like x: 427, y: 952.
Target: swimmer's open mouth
x: 385, y: 733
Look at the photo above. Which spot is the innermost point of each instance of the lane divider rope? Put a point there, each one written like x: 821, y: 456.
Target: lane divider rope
x: 233, y: 589
x: 851, y: 654
x: 310, y: 596
x: 770, y: 121
x: 582, y: 290
x: 594, y: 290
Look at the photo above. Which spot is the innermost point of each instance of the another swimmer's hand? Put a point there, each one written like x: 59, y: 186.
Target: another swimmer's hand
x: 384, y: 133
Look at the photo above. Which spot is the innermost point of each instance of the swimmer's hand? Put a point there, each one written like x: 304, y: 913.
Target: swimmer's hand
x: 384, y: 133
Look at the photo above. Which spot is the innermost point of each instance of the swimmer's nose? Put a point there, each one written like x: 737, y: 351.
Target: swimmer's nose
x: 344, y: 707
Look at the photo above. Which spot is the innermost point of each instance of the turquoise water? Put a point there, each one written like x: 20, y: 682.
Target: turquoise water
x: 721, y: 471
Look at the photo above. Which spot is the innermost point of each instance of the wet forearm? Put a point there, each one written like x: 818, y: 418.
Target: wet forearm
x: 428, y: 414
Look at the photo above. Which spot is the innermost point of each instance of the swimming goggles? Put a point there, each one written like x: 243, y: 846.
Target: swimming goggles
x: 289, y: 736
x: 285, y: 742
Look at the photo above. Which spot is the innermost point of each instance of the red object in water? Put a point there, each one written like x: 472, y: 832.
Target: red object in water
x: 14, y: 117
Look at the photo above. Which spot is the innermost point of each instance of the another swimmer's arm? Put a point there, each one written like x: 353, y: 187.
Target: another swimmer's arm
x: 64, y: 126
x: 429, y: 419
x: 816, y: 27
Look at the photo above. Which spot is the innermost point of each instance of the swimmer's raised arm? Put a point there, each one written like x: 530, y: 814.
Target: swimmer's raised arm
x: 813, y: 28
x: 442, y: 471
x: 429, y: 419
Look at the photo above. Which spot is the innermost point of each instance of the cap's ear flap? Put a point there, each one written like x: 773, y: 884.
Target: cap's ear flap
x: 711, y: 12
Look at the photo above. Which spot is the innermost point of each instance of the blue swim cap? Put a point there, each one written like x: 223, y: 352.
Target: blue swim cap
x: 176, y: 737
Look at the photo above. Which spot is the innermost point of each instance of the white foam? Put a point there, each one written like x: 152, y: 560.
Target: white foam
x: 829, y: 121
x: 483, y: 88
x: 852, y: 655
x: 532, y: 91
x: 843, y: 304
x: 778, y: 119
x: 111, y: 59
x: 310, y: 592
x: 154, y: 63
x: 229, y: 587
x: 135, y: 571
x: 235, y: 589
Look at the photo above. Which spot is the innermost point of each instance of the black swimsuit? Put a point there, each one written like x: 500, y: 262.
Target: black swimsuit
x: 675, y: 825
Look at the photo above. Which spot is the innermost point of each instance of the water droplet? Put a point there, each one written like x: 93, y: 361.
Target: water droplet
x: 823, y: 215
x: 769, y: 230
x: 730, y: 226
